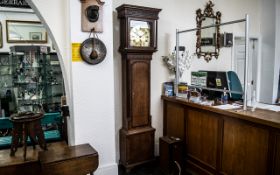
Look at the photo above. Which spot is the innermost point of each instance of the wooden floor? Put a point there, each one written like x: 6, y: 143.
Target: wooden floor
x: 14, y: 165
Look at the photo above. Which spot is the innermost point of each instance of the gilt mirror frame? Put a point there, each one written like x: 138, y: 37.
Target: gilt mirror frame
x: 38, y: 34
x: 201, y: 16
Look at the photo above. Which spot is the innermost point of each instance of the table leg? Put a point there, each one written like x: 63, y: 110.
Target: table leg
x: 16, y: 136
x: 40, y: 135
x: 24, y: 137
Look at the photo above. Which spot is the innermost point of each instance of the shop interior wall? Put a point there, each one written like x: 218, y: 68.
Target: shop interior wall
x: 93, y: 93
x: 270, y: 58
x: 180, y: 14
x: 20, y: 15
x: 91, y: 86
x: 59, y: 32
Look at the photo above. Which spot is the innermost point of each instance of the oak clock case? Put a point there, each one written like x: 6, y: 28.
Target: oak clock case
x: 138, y: 34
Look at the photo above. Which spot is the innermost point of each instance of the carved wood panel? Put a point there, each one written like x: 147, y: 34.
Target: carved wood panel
x: 175, y: 121
x: 140, y: 147
x: 245, y: 149
x: 140, y: 73
x: 277, y: 156
x: 202, y: 137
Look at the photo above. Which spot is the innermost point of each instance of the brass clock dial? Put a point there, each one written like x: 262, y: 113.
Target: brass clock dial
x: 139, y: 34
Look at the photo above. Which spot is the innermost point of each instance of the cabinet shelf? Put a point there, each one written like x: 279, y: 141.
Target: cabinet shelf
x: 57, y: 84
x: 55, y: 65
x: 7, y: 87
x: 32, y: 67
x: 29, y: 83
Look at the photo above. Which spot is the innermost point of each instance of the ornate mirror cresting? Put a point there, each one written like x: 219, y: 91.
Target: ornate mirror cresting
x: 207, y: 44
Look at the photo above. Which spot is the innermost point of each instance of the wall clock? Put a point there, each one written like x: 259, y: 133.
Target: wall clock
x: 92, y: 15
x: 138, y: 34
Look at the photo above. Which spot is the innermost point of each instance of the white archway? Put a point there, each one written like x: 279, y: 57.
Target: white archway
x: 54, y: 18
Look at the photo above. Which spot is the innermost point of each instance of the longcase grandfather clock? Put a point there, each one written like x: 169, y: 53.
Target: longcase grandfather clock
x: 138, y: 34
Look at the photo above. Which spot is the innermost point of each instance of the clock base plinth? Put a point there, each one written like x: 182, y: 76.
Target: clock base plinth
x: 137, y: 146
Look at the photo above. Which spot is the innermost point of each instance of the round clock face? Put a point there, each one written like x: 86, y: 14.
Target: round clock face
x: 139, y: 34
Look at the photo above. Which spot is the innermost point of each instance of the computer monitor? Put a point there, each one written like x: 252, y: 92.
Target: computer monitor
x: 220, y: 80
x: 216, y: 80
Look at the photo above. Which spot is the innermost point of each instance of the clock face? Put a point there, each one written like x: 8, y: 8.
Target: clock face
x: 139, y: 34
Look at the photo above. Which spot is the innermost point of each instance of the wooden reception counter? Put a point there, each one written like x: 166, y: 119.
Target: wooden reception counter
x: 219, y: 141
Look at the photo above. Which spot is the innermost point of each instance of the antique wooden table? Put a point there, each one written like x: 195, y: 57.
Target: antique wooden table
x: 71, y: 160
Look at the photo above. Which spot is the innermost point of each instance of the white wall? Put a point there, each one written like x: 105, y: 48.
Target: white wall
x: 277, y: 52
x: 270, y: 58
x: 180, y: 14
x: 91, y: 86
x: 59, y: 32
x: 93, y: 93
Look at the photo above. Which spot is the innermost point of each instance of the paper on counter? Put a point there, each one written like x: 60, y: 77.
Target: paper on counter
x: 269, y: 107
x: 228, y: 106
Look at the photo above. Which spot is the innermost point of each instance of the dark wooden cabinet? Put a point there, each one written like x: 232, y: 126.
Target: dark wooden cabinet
x: 136, y: 134
x: 224, y: 142
x: 171, y: 154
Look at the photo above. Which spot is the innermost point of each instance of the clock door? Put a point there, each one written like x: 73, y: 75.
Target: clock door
x: 140, y: 89
x: 140, y: 33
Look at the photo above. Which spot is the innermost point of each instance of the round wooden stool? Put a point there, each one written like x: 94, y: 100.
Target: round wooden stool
x: 27, y: 124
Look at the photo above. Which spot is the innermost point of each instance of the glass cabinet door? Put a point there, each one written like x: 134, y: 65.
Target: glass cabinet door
x: 6, y: 85
x: 37, y: 79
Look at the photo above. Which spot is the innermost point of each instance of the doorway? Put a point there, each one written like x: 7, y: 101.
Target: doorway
x: 30, y: 74
x: 253, y: 63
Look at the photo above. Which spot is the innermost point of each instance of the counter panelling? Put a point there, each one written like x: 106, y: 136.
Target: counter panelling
x: 174, y: 125
x: 277, y: 156
x: 245, y: 148
x: 224, y: 141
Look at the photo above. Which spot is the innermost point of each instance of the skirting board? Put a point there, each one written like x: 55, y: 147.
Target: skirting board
x: 111, y: 169
x: 156, y: 148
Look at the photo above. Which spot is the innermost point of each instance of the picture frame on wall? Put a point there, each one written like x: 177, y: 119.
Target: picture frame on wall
x: 25, y: 32
x: 35, y: 36
x: 1, y: 36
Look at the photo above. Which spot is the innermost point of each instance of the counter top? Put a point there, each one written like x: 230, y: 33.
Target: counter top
x: 259, y: 116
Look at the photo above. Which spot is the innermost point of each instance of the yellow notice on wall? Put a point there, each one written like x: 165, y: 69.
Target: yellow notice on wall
x: 76, y: 57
